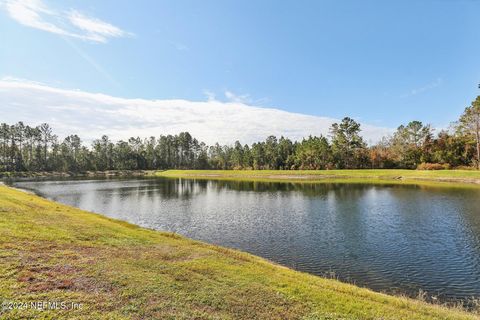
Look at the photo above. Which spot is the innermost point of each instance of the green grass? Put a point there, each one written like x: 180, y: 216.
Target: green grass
x: 51, y: 252
x: 365, y: 175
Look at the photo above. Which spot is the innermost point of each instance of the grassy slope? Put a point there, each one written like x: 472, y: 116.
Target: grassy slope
x: 52, y: 252
x: 461, y: 176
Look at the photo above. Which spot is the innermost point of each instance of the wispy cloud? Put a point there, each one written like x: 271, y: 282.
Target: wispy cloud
x: 239, y: 98
x: 71, y: 23
x: 210, y: 95
x: 432, y: 85
x: 244, y: 98
x: 91, y: 114
x: 97, y: 29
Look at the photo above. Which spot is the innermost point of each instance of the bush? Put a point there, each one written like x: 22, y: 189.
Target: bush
x: 433, y: 166
x: 465, y: 168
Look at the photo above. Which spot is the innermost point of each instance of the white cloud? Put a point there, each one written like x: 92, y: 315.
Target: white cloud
x: 94, y: 27
x: 35, y: 14
x: 91, y: 115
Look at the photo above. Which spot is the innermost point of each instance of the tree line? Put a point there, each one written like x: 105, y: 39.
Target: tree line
x: 413, y: 145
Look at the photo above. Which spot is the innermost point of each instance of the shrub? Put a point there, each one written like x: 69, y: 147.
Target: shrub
x: 465, y: 168
x: 433, y: 166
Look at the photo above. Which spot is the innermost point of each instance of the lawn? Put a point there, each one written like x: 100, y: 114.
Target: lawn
x: 99, y: 268
x: 363, y: 175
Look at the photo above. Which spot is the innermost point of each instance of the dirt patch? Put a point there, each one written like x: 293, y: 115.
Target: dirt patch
x: 303, y: 177
x: 51, y: 267
x: 454, y: 180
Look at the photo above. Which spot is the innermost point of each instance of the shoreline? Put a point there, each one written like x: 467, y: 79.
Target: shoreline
x: 325, y: 297
x: 390, y: 176
x: 471, y: 177
x: 85, y: 174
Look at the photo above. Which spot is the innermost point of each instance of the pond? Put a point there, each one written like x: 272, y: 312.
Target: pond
x: 390, y: 238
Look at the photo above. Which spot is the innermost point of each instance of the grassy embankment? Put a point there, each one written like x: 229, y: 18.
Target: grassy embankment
x: 348, y: 176
x: 51, y: 252
x: 86, y: 174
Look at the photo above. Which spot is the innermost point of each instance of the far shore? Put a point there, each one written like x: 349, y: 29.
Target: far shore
x: 346, y: 175
x: 93, y: 174
x: 360, y: 175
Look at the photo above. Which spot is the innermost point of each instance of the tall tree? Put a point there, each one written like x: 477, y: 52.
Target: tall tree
x: 347, y: 144
x: 469, y: 124
x: 5, y: 146
x: 313, y: 153
x: 237, y: 156
x: 103, y: 153
x: 409, y: 143
x: 285, y: 153
x: 46, y: 138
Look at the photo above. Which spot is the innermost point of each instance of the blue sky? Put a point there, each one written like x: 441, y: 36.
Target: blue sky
x: 382, y: 62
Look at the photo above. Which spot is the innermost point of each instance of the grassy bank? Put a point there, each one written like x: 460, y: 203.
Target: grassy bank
x: 92, y: 174
x: 113, y: 270
x: 389, y: 175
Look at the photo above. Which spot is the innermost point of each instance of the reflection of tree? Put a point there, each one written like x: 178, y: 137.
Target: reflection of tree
x: 177, y: 188
x: 342, y: 190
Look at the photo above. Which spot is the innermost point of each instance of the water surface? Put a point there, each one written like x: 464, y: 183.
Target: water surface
x: 392, y: 238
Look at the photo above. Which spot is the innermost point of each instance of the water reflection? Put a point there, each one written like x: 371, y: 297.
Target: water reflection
x: 392, y: 238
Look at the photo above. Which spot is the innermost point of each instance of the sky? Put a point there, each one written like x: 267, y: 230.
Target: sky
x: 236, y: 70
